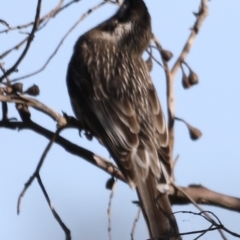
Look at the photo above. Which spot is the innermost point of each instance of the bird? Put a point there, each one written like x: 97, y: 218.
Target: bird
x: 115, y: 101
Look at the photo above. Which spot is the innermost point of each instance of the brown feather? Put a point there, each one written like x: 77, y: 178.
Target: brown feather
x: 113, y: 97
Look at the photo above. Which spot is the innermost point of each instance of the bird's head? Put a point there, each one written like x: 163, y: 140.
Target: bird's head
x: 130, y: 27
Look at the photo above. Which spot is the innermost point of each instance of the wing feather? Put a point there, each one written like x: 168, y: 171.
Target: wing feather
x: 121, y: 109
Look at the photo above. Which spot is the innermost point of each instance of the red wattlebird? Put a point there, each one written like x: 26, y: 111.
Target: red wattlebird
x: 113, y: 97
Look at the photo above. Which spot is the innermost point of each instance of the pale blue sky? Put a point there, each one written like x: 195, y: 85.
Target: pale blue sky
x: 76, y: 188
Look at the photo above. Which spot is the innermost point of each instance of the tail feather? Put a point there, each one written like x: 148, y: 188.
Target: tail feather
x: 156, y: 209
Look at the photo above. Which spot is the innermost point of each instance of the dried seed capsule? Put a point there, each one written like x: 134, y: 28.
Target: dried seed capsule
x: 166, y: 55
x: 193, y: 78
x: 110, y: 183
x: 194, y: 132
x: 33, y: 90
x: 185, y: 81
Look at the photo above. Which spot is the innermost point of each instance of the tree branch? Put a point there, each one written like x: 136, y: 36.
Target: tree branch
x: 202, y: 195
x: 29, y: 41
x: 61, y: 42
x: 74, y: 149
x: 201, y: 15
x: 31, y: 102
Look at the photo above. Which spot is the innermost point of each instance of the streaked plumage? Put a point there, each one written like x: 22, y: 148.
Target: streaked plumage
x: 113, y: 96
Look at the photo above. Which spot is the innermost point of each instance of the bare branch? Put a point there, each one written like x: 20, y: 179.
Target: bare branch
x: 55, y: 214
x: 30, y: 38
x: 135, y: 223
x: 109, y: 210
x: 4, y: 71
x: 4, y: 23
x: 36, y: 172
x: 205, y: 196
x: 74, y: 149
x: 51, y: 14
x: 61, y: 42
x: 201, y: 15
x: 198, y: 193
x: 214, y: 225
x: 35, y: 104
x: 208, y: 217
x: 66, y: 6
x: 16, y: 47
x: 170, y: 99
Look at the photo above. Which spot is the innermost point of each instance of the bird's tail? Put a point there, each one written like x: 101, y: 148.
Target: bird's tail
x: 157, y: 210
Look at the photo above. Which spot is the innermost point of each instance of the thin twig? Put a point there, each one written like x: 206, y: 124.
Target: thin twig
x: 218, y: 226
x: 36, y: 172
x: 16, y: 47
x: 4, y: 23
x: 201, y: 15
x: 66, y: 6
x: 155, y: 59
x: 187, y: 233
x: 199, y: 208
x: 74, y: 149
x: 51, y: 14
x: 60, y: 43
x: 109, y: 210
x: 4, y: 104
x: 135, y: 223
x: 9, y: 28
x: 29, y: 41
x: 204, y: 232
x: 55, y: 214
x: 4, y: 71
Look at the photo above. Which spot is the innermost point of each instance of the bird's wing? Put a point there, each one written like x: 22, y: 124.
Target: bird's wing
x: 113, y: 96
x: 121, y: 109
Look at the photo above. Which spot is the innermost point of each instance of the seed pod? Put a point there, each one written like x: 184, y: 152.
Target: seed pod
x: 185, y: 81
x: 33, y: 90
x: 166, y: 55
x: 17, y: 87
x: 193, y: 78
x: 110, y: 183
x: 194, y: 132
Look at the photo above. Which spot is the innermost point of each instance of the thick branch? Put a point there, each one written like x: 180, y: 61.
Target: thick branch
x: 202, y: 195
x: 198, y: 193
x: 74, y: 149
